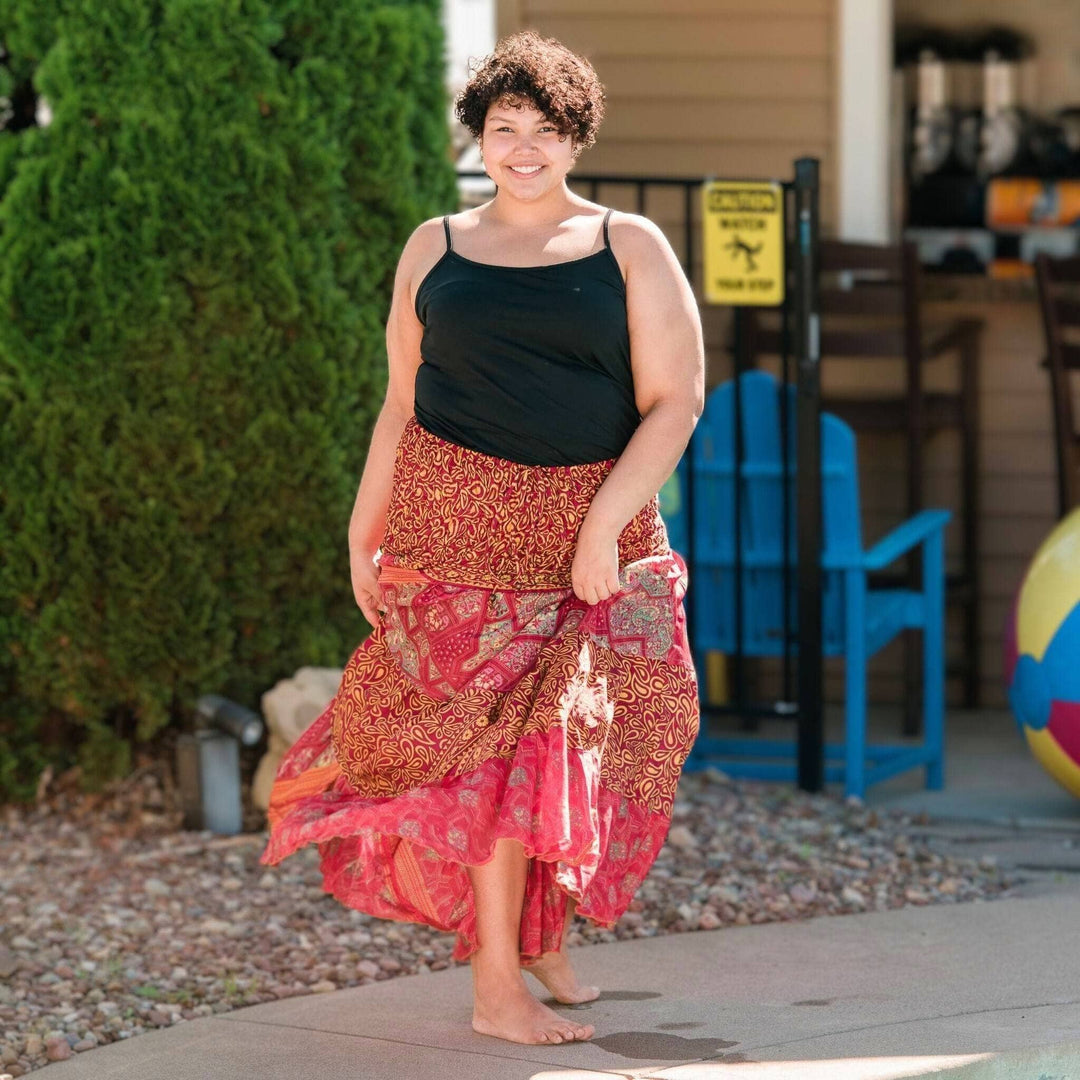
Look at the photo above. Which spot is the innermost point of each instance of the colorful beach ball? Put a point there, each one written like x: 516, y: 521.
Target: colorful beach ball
x: 1042, y: 654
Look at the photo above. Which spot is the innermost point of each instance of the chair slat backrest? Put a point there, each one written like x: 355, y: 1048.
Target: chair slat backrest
x: 712, y: 451
x: 868, y: 298
x: 765, y: 418
x: 767, y: 413
x: 672, y: 501
x: 870, y: 310
x: 766, y: 484
x: 869, y: 342
x: 863, y: 297
x: 845, y: 255
x: 842, y: 519
x: 1059, y: 300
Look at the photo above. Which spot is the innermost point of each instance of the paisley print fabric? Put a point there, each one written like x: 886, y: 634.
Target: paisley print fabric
x: 491, y: 702
x: 494, y: 522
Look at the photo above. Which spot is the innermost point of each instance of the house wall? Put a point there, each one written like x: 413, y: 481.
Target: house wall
x: 701, y: 86
x: 730, y: 88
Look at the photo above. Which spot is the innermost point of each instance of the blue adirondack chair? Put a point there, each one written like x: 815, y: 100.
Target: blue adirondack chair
x: 857, y: 621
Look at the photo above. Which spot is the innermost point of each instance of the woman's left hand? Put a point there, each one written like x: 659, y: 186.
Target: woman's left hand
x: 595, y: 570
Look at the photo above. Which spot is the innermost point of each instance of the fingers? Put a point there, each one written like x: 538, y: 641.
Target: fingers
x: 593, y: 594
x: 369, y: 605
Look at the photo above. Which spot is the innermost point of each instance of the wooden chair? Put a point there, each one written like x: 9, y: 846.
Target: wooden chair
x: 1059, y: 299
x: 870, y: 309
x: 857, y: 619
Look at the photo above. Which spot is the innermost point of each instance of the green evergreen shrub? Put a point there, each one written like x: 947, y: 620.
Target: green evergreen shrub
x: 196, y: 261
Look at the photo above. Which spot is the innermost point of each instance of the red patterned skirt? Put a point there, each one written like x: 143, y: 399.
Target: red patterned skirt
x: 491, y: 702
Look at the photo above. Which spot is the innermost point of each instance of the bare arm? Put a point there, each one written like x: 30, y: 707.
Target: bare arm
x: 403, y: 333
x: 667, y: 356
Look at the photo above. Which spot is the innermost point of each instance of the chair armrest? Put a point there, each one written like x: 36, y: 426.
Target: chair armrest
x: 904, y: 537
x: 939, y: 339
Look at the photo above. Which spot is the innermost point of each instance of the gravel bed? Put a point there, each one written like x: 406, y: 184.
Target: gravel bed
x: 115, y: 921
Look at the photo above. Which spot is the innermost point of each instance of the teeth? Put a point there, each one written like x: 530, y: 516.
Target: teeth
x: 526, y: 171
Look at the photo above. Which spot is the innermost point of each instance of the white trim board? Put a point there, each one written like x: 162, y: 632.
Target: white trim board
x: 864, y: 70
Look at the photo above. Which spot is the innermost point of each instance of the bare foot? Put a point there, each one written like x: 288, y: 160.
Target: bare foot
x: 553, y: 969
x: 515, y: 1015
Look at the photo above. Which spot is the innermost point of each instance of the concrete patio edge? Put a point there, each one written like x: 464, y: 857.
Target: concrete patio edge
x: 986, y: 990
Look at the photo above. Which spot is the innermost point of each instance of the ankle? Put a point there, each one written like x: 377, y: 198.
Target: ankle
x: 495, y: 978
x: 549, y: 954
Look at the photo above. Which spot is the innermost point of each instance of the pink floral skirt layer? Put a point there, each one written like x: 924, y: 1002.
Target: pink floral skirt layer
x: 491, y: 702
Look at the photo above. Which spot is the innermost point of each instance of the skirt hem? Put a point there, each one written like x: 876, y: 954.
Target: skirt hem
x: 404, y: 857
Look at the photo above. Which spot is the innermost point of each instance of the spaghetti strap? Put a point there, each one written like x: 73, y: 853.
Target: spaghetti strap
x: 446, y: 226
x: 607, y: 243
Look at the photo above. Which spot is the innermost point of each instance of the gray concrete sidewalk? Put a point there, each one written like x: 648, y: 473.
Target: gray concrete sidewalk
x: 976, y: 990
x: 990, y: 776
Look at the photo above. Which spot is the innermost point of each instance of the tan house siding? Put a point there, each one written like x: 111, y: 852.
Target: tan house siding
x: 697, y: 87
x: 725, y: 87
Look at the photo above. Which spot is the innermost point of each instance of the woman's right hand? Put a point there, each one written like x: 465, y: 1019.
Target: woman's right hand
x: 365, y: 583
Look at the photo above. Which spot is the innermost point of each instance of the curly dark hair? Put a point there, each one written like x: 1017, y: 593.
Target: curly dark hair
x: 527, y: 69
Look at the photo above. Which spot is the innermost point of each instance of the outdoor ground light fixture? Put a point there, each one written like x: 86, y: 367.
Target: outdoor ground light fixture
x: 208, y: 764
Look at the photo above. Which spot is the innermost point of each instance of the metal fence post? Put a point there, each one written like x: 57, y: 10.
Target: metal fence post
x: 811, y: 741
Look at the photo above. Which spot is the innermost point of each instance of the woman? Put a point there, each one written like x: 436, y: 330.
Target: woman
x: 504, y: 747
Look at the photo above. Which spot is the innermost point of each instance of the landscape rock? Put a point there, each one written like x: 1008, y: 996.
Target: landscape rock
x: 170, y: 925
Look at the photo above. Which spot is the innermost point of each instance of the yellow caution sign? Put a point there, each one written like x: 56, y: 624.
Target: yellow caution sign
x: 743, y: 225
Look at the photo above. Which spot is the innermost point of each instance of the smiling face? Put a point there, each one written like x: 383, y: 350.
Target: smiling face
x: 524, y: 152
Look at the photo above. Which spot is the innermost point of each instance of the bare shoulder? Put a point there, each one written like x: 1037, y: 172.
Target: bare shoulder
x: 421, y: 252
x: 640, y: 244
x: 635, y: 228
x: 426, y: 242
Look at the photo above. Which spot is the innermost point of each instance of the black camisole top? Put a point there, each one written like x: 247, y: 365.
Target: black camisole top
x: 529, y: 363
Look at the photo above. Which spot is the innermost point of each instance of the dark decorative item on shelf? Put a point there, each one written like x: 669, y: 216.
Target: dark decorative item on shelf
x: 947, y: 201
x: 968, y: 132
x: 995, y: 142
x: 1055, y: 144
x: 932, y: 119
x: 1010, y: 189
x: 1068, y: 120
